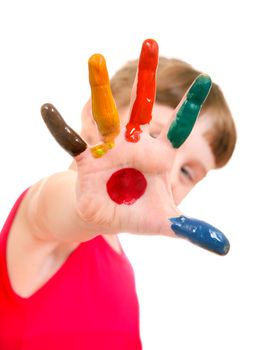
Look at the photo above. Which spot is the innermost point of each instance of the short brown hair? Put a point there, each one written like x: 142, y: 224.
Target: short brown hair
x: 173, y: 79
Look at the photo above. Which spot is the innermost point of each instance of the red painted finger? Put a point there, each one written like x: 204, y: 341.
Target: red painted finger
x: 141, y: 111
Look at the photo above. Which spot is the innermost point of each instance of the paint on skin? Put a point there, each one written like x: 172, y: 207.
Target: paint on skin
x: 186, y: 117
x: 141, y: 112
x: 64, y: 134
x: 103, y: 105
x: 201, y: 234
x: 126, y: 185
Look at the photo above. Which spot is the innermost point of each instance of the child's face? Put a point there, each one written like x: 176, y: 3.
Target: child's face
x: 194, y: 158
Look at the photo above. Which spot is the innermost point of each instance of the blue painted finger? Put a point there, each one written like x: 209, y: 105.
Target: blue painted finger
x: 201, y: 234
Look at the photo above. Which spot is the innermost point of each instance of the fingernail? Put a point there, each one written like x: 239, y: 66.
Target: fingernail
x: 64, y: 134
x: 186, y: 117
x: 201, y: 234
x: 98, y: 73
x: 149, y: 55
x: 200, y: 89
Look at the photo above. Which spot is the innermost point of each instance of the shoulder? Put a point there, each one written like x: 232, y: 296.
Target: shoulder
x: 113, y: 242
x: 29, y: 261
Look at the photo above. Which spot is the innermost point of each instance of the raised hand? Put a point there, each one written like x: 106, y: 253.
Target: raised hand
x: 124, y: 182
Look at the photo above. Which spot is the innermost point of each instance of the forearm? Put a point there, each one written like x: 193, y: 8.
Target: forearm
x: 51, y: 210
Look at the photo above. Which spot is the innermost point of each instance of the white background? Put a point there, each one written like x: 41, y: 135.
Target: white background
x: 190, y: 299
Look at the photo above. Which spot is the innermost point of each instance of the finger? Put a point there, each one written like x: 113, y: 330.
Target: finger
x: 201, y: 234
x: 180, y: 126
x: 143, y: 92
x: 64, y: 134
x: 103, y: 105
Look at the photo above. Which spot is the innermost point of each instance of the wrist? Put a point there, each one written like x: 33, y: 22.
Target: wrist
x: 52, y: 209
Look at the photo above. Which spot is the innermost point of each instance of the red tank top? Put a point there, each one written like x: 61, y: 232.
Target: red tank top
x: 90, y: 303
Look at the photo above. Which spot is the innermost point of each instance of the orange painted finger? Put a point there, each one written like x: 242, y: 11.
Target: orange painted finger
x: 103, y: 105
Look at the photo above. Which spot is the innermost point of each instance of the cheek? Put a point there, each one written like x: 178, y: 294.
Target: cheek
x: 180, y: 187
x: 179, y: 193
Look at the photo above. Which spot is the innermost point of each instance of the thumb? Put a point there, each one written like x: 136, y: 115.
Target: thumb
x: 200, y: 233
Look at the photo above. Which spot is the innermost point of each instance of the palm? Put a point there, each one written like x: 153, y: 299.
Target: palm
x: 153, y: 158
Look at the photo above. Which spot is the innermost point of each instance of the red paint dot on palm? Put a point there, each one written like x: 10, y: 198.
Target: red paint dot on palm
x: 125, y: 186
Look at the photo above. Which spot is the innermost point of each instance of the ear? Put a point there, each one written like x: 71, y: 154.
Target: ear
x: 89, y: 131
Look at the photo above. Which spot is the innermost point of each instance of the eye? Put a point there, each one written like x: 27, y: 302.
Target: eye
x: 187, y: 173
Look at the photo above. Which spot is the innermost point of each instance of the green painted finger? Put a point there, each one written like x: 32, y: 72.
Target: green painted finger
x: 186, y: 117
